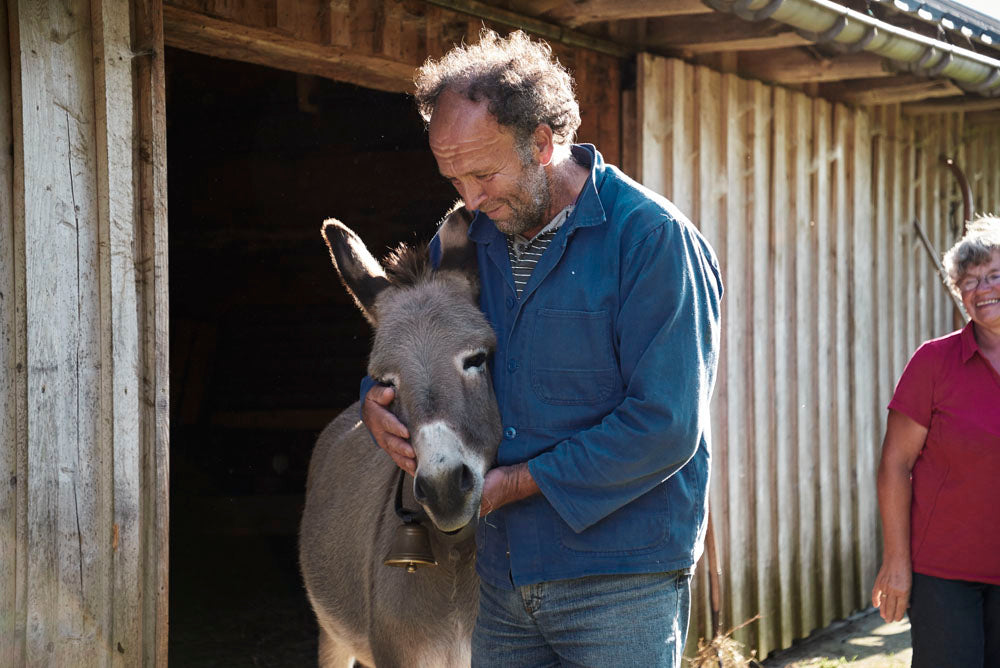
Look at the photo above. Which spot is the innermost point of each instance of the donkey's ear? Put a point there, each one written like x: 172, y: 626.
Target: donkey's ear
x: 458, y: 253
x: 360, y: 273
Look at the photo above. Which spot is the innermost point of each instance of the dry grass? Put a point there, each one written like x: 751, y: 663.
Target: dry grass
x: 723, y: 651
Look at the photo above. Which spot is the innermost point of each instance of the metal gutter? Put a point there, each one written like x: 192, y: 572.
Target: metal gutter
x: 950, y: 15
x: 826, y: 21
x: 550, y: 31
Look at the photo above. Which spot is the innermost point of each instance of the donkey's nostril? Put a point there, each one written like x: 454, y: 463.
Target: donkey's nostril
x: 419, y: 493
x: 467, y: 481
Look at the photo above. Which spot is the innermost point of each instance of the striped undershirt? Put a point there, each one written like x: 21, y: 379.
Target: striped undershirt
x: 524, y: 253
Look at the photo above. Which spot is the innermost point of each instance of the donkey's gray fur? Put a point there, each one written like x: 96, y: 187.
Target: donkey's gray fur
x: 429, y: 334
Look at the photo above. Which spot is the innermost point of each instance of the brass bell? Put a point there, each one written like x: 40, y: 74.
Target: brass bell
x: 411, y: 548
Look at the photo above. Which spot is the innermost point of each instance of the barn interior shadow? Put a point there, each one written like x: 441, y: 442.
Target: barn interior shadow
x: 265, y: 346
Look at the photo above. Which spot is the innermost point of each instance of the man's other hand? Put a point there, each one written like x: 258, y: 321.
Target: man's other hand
x: 506, y: 484
x: 390, y: 434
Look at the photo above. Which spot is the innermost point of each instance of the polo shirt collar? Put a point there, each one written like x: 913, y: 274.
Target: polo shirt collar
x: 588, y: 210
x: 969, y: 345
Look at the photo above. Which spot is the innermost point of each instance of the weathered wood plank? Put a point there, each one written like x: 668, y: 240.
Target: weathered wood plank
x: 842, y: 431
x: 865, y: 356
x: 956, y: 104
x: 718, y: 32
x: 708, y: 215
x: 826, y: 266
x: 51, y: 361
x: 578, y: 13
x: 301, y: 19
x: 122, y: 530
x: 784, y: 488
x: 802, y: 216
x: 84, y: 595
x: 907, y: 241
x: 794, y: 65
x: 883, y: 267
x: 888, y: 90
x: 895, y: 131
x: 13, y: 399
x: 762, y: 226
x: 335, y: 22
x: 151, y: 180
x: 735, y: 115
x: 225, y: 39
x: 653, y: 122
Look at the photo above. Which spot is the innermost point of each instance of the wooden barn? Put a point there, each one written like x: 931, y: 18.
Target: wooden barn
x: 173, y: 337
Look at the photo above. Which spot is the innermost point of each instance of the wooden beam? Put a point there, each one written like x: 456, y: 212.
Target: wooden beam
x: 796, y: 66
x: 961, y: 103
x: 203, y: 34
x: 781, y: 41
x: 991, y: 117
x: 867, y: 92
x: 152, y: 275
x: 574, y: 13
x: 550, y: 31
x: 718, y: 32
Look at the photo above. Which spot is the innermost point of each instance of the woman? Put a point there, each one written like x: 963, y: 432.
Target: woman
x: 939, y: 478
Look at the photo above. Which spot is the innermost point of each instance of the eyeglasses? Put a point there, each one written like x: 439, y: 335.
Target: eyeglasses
x: 970, y: 283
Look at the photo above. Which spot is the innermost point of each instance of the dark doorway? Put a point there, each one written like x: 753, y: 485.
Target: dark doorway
x: 265, y: 345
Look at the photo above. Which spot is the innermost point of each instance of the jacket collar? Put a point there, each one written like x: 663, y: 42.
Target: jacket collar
x: 588, y: 212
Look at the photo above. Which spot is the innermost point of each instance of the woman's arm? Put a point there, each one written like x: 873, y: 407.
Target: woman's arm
x: 904, y: 439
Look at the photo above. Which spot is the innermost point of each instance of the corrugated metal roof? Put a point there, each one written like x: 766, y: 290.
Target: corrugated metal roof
x: 952, y: 16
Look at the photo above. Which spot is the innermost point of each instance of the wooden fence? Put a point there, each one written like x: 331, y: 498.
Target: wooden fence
x: 810, y: 206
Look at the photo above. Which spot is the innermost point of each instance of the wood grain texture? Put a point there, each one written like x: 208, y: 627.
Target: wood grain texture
x: 13, y: 395
x: 121, y: 382
x: 82, y: 552
x: 151, y: 188
x: 809, y: 205
x: 362, y: 65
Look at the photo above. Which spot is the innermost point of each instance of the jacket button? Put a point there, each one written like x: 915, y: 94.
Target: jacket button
x: 512, y: 365
x: 510, y: 433
x: 510, y: 302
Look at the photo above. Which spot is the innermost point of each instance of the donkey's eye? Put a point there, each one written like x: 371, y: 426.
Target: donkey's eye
x: 386, y: 382
x: 474, y: 361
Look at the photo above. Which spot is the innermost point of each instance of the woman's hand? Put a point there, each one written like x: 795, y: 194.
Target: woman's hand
x: 904, y: 439
x: 891, y: 593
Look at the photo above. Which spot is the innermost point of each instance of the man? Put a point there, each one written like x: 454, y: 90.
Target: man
x: 605, y: 300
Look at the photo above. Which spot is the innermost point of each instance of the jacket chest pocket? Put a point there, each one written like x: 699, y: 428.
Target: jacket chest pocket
x: 572, y: 357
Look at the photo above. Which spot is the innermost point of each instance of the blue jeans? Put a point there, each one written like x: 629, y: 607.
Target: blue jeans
x: 954, y: 623
x: 602, y: 620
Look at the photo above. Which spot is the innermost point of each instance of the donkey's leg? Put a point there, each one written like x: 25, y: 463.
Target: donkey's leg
x: 332, y: 652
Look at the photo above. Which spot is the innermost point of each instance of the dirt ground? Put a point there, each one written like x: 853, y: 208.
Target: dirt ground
x: 861, y: 641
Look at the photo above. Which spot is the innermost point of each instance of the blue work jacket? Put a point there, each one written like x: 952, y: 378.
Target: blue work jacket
x: 603, y: 372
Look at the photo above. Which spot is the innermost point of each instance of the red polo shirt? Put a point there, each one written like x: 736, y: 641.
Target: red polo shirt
x: 950, y: 388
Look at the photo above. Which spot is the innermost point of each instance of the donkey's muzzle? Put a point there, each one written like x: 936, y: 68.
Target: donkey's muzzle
x: 447, y: 492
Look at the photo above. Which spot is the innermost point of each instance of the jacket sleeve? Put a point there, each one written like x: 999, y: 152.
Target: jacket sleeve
x: 667, y: 329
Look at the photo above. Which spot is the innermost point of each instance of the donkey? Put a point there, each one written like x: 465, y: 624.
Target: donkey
x: 432, y: 344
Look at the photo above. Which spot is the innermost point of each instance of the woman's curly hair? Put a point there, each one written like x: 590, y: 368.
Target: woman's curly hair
x: 981, y: 240
x: 520, y: 80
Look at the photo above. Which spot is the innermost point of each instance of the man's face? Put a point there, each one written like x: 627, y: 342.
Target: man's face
x: 480, y: 158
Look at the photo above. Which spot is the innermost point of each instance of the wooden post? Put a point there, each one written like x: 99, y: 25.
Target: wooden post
x: 83, y: 507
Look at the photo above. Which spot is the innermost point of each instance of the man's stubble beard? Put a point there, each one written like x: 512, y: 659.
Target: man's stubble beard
x: 530, y: 202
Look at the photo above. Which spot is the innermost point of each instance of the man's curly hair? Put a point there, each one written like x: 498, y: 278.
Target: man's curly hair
x: 522, y: 83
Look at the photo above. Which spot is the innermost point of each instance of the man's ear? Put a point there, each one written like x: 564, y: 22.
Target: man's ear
x: 544, y: 142
x: 360, y: 273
